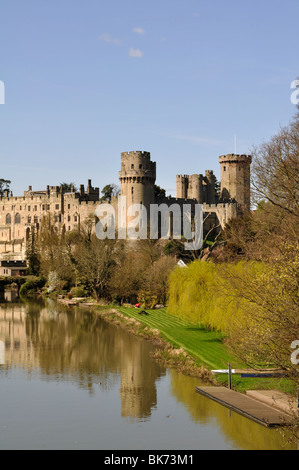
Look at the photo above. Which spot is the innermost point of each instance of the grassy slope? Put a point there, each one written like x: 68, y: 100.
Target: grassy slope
x: 206, y: 347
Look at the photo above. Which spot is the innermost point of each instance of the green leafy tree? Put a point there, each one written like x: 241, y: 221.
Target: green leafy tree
x: 32, y: 255
x: 159, y: 192
x: 68, y: 187
x: 4, y: 185
x: 109, y: 191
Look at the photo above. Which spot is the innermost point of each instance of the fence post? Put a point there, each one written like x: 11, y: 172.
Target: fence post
x: 230, y: 376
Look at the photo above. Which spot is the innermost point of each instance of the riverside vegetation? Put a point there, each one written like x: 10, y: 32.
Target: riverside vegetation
x: 238, y: 299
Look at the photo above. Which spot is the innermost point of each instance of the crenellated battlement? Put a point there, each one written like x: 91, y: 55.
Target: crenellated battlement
x: 137, y: 176
x: 235, y: 158
x: 136, y: 154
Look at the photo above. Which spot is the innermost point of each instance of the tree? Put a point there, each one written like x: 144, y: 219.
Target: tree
x: 275, y: 169
x: 156, y: 279
x: 32, y: 255
x: 127, y: 276
x: 109, y: 191
x: 4, y: 185
x: 52, y: 252
x: 95, y: 260
x: 160, y: 193
x: 266, y: 319
x: 68, y: 187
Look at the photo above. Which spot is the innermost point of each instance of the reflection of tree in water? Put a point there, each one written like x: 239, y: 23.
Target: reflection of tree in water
x: 78, y: 345
x: 243, y: 432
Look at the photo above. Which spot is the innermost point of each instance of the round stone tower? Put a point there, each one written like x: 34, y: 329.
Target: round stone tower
x: 137, y: 178
x: 235, y: 179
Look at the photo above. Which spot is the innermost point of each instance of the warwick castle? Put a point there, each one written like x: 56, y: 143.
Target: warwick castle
x: 19, y: 216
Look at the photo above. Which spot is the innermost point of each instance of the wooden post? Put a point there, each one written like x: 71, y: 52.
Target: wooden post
x: 230, y: 376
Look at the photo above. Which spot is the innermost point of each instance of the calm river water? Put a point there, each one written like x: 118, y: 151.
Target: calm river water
x: 69, y: 380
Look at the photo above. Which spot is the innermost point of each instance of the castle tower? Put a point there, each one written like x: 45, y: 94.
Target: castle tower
x: 137, y: 178
x: 235, y: 179
x: 182, y: 186
x: 211, y: 187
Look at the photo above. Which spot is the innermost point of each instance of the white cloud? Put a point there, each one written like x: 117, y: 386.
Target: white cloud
x: 109, y: 39
x: 200, y: 140
x: 137, y: 53
x: 139, y: 30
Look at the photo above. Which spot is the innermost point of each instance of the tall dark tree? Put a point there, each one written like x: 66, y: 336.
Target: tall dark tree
x: 109, y: 191
x: 4, y: 185
x: 68, y: 187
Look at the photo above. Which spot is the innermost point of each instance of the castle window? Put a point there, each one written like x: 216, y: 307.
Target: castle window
x: 35, y: 208
x: 35, y: 219
x: 29, y: 208
x: 29, y: 220
x: 17, y: 219
x: 8, y: 219
x: 132, y: 166
x: 57, y: 206
x: 224, y: 168
x: 132, y: 191
x: 140, y: 167
x: 75, y: 218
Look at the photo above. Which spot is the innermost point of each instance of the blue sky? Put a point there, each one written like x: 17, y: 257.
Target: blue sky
x: 88, y: 79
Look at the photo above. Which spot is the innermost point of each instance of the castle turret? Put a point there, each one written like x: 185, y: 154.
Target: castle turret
x: 137, y: 178
x: 182, y: 186
x: 235, y: 179
x: 211, y: 187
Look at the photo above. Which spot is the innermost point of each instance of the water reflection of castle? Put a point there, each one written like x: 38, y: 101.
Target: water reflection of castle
x: 80, y: 347
x: 17, y: 348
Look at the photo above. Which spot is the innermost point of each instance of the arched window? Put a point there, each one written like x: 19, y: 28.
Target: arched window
x: 17, y: 219
x: 8, y: 219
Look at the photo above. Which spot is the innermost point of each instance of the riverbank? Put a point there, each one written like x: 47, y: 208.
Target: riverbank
x: 186, y: 347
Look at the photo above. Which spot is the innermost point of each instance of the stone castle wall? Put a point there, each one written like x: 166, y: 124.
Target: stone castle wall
x: 21, y: 215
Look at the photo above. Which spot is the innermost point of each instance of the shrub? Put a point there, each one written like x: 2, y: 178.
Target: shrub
x: 147, y: 300
x: 32, y: 285
x: 78, y: 291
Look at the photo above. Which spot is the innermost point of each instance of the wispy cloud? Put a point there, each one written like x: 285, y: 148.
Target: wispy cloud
x: 139, y: 30
x: 106, y: 37
x: 200, y: 140
x: 137, y: 53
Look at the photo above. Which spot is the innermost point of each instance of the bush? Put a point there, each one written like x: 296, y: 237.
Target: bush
x: 32, y: 285
x: 78, y: 292
x: 147, y: 300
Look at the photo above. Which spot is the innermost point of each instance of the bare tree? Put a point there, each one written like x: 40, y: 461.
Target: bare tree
x: 275, y: 169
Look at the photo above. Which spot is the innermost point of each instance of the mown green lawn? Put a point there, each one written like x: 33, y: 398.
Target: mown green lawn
x: 206, y: 347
